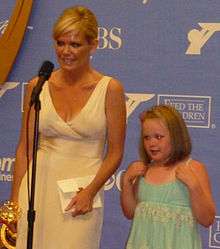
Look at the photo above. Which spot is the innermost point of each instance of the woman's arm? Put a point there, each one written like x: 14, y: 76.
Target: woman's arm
x: 20, y: 165
x: 196, y: 178
x: 129, y: 186
x: 116, y: 125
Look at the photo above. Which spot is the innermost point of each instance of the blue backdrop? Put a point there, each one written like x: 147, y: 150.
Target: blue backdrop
x: 162, y: 51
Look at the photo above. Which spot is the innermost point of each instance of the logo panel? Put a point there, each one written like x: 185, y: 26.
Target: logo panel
x: 3, y: 26
x: 198, y: 38
x: 133, y: 100
x: 195, y: 110
x: 109, y: 38
x: 214, y: 234
x: 6, y: 166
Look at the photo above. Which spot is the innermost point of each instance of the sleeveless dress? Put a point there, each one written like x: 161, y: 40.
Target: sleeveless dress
x: 66, y: 150
x: 163, y: 218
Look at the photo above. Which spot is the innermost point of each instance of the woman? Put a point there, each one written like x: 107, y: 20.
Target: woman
x: 81, y: 110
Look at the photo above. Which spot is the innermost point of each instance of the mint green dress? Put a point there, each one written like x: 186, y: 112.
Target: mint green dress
x: 163, y: 218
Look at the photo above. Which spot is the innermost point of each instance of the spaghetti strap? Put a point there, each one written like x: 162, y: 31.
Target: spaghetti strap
x: 188, y: 160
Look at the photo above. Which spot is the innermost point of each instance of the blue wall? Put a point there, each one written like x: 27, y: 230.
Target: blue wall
x: 162, y: 51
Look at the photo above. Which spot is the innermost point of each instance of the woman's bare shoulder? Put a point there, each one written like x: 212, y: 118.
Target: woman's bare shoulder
x: 115, y: 85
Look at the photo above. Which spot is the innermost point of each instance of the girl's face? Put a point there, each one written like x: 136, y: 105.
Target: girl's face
x: 157, y: 142
x: 73, y: 50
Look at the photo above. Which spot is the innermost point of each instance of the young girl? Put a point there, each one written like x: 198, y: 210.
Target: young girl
x: 167, y: 193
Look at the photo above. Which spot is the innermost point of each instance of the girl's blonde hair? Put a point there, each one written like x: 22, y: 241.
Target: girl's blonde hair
x: 179, y: 135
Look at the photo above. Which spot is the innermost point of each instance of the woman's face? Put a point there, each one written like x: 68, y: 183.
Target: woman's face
x: 157, y: 142
x: 73, y: 50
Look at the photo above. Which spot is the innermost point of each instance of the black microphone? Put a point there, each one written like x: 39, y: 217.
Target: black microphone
x: 44, y: 74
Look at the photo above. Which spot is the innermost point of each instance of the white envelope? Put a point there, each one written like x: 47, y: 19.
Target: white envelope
x: 67, y: 190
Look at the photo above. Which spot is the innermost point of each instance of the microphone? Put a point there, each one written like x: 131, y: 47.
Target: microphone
x: 44, y: 74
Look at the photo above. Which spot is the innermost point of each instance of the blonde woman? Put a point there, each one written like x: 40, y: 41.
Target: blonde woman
x: 81, y: 111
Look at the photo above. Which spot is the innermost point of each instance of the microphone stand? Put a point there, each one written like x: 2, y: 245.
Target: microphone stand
x: 31, y: 211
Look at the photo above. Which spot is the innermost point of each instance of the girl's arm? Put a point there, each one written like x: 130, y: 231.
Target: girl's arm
x: 196, y: 178
x: 129, y: 186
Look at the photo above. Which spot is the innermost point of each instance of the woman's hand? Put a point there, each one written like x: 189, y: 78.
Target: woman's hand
x: 81, y: 203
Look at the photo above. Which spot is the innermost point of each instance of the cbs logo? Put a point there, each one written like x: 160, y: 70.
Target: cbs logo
x: 109, y: 38
x: 114, y: 180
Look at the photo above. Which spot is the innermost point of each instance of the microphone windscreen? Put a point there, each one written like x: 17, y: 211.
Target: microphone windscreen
x: 46, y: 69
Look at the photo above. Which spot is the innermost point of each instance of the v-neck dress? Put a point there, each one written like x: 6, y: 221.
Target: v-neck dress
x: 163, y: 218
x: 66, y: 150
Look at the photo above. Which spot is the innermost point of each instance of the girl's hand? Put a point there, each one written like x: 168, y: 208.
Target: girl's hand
x: 81, y: 203
x: 186, y: 174
x: 135, y: 170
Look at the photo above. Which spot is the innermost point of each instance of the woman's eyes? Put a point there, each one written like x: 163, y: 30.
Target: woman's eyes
x: 59, y: 43
x: 73, y: 44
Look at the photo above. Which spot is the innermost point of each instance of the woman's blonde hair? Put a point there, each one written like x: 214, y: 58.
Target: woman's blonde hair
x: 179, y: 135
x: 77, y: 17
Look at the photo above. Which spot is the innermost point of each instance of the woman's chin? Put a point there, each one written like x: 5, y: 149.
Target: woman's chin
x: 67, y: 67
